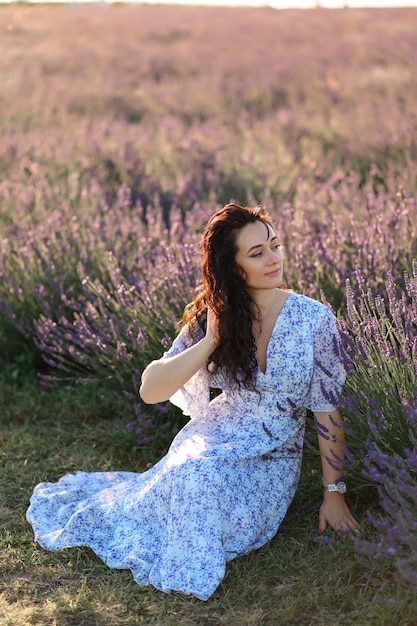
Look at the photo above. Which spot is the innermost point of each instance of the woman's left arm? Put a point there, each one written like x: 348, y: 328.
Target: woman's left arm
x: 334, y: 510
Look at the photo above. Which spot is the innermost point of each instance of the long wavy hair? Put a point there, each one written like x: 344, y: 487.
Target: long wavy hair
x: 224, y: 291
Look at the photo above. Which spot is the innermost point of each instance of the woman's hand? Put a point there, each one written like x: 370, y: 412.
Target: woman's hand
x: 335, y: 512
x: 212, y: 332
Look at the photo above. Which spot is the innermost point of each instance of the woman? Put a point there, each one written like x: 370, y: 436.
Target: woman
x: 230, y: 474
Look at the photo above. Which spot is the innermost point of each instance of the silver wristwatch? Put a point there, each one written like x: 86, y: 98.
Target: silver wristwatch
x: 340, y: 487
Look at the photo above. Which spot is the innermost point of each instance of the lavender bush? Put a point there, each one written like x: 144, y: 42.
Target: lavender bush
x: 394, y: 551
x: 380, y: 410
x: 379, y: 337
x: 115, y: 329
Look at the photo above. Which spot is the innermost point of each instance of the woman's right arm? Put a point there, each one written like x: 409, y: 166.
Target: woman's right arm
x: 162, y: 378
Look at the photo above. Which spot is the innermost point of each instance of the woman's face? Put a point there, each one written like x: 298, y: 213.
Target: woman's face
x: 259, y: 256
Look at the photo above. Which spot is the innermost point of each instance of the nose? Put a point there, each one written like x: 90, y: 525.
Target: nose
x: 274, y: 256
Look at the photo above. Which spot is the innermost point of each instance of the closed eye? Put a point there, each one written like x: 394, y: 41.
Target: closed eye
x: 274, y: 247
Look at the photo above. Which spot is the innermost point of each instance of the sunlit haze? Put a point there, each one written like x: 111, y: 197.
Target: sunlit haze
x: 277, y: 4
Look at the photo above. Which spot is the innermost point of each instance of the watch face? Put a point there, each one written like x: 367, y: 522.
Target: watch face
x: 341, y: 487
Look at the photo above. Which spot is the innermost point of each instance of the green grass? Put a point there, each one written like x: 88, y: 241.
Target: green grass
x: 290, y: 581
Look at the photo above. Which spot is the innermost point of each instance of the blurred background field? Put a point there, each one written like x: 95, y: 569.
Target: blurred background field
x: 122, y: 129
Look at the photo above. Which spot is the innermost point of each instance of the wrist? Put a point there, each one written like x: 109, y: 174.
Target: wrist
x: 209, y: 342
x: 333, y: 497
x: 338, y: 487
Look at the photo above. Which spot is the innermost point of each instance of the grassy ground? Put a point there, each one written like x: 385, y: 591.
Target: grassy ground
x: 291, y: 581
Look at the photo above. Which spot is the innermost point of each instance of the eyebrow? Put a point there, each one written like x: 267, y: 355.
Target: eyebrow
x: 259, y: 245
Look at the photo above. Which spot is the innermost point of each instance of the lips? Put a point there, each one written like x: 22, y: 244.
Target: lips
x: 274, y: 272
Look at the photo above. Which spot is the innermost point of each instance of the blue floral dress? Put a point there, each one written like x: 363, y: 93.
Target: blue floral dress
x: 228, y: 478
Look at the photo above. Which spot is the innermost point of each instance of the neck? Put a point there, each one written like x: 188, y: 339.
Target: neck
x: 265, y: 299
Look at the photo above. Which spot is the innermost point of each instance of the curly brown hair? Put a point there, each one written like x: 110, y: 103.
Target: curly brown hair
x: 224, y: 290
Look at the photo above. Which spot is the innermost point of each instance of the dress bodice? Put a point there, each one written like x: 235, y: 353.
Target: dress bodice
x: 303, y: 370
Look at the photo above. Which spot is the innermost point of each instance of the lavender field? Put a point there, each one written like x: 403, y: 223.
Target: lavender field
x: 123, y: 128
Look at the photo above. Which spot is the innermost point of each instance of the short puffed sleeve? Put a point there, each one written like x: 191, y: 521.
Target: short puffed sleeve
x: 194, y: 396
x: 329, y: 373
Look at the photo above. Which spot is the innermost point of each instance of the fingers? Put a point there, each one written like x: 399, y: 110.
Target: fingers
x: 339, y: 519
x: 212, y: 328
x: 322, y: 522
x: 346, y: 525
x: 350, y: 525
x: 350, y: 528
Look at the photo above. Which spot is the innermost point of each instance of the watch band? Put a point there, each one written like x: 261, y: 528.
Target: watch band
x: 339, y: 487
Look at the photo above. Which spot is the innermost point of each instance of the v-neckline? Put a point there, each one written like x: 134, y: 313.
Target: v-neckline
x: 272, y: 333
